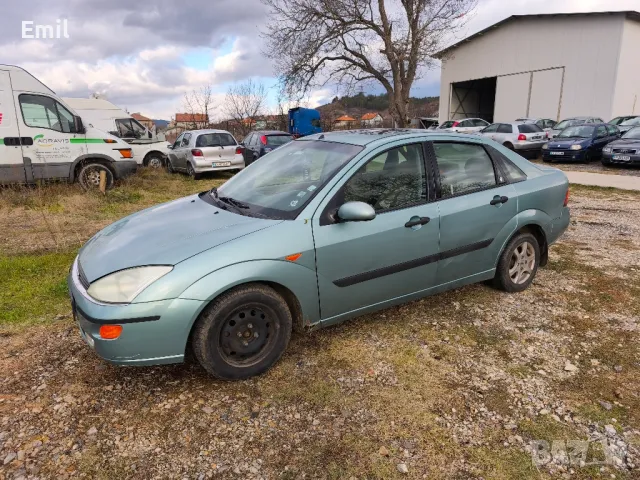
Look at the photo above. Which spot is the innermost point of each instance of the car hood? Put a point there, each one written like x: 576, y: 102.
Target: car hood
x: 164, y: 235
x: 625, y: 142
x: 567, y: 142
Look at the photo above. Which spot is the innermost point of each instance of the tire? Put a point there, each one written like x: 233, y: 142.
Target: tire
x: 587, y: 157
x: 89, y: 176
x: 242, y: 333
x: 504, y: 279
x: 191, y: 172
x: 509, y: 146
x: 169, y: 166
x: 154, y: 161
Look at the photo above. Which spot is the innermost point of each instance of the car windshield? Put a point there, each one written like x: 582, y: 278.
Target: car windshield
x: 283, y: 182
x: 567, y: 123
x: 278, y: 140
x: 448, y: 124
x: 633, y: 121
x: 215, y: 140
x: 529, y: 128
x: 634, y: 134
x: 581, y: 131
x: 619, y: 120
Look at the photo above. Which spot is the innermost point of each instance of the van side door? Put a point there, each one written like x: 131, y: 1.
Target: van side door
x: 12, y: 169
x: 50, y: 126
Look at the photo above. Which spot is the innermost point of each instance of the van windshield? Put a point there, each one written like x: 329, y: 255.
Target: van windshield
x: 280, y: 184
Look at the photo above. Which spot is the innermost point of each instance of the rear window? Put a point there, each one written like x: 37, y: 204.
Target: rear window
x: 278, y: 139
x: 215, y: 140
x: 529, y: 128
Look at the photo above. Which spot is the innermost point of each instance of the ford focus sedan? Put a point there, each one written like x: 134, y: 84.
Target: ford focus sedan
x: 323, y: 229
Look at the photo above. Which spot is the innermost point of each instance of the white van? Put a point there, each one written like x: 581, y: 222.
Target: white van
x: 149, y: 148
x: 42, y: 138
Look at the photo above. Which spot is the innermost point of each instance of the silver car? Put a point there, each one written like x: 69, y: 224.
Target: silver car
x: 570, y: 122
x: 524, y: 138
x: 465, y: 125
x: 199, y: 151
x: 545, y: 124
x: 629, y: 124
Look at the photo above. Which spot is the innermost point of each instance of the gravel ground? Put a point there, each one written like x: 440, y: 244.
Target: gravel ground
x: 593, y: 167
x: 455, y: 386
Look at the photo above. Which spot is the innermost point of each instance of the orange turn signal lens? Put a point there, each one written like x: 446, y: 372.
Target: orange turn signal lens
x: 126, y: 153
x: 108, y: 140
x: 110, y: 332
x: 294, y: 257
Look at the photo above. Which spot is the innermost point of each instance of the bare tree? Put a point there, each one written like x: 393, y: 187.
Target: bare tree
x: 390, y: 42
x: 198, y: 105
x: 244, y: 103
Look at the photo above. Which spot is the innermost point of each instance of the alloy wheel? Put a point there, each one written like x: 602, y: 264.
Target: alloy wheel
x: 522, y: 263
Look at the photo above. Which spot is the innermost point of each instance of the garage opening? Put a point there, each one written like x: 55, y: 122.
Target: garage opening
x: 473, y: 99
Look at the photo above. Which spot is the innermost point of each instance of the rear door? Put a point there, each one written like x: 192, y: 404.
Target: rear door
x: 475, y: 206
x: 11, y: 162
x: 491, y: 131
x: 219, y: 148
x: 183, y: 151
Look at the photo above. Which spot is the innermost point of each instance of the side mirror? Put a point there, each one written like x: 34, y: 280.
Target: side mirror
x: 78, y: 127
x: 356, y: 212
x: 170, y: 146
x: 149, y: 134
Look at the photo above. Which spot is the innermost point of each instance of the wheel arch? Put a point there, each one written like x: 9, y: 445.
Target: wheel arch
x: 83, y: 160
x: 153, y: 153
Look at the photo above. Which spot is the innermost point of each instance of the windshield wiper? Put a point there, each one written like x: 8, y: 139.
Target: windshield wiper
x: 234, y: 202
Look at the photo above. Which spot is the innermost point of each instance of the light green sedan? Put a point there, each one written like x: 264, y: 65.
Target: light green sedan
x: 326, y: 228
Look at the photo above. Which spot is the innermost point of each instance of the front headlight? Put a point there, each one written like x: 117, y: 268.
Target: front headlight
x: 545, y: 146
x: 576, y: 147
x: 125, y: 285
x: 607, y: 149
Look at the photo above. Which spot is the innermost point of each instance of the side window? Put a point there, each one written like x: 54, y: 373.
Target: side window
x: 248, y: 139
x: 125, y: 130
x: 185, y: 140
x: 479, y: 123
x: 391, y: 180
x: 541, y: 124
x: 505, y: 128
x: 511, y: 172
x: 613, y: 130
x: 44, y: 112
x: 465, y: 124
x: 463, y: 167
x: 178, y: 141
x: 491, y: 128
x: 601, y: 132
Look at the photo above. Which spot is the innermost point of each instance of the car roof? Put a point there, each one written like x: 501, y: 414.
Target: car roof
x: 269, y: 132
x: 364, y: 137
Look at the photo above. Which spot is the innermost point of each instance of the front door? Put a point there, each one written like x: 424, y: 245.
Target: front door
x: 474, y: 207
x: 361, y: 264
x: 53, y: 144
x: 11, y: 162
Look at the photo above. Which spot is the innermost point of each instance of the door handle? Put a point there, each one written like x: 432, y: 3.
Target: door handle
x: 499, y: 200
x: 419, y: 221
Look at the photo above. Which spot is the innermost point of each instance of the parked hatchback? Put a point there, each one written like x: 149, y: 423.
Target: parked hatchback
x: 200, y: 151
x: 323, y: 229
x: 524, y: 138
x: 629, y: 124
x: 466, y: 125
x: 581, y: 143
x: 619, y: 120
x: 258, y: 143
x: 545, y: 124
x: 624, y: 151
x: 569, y: 122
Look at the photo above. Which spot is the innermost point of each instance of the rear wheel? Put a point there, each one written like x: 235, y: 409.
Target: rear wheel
x: 509, y: 145
x: 89, y: 176
x: 518, y: 263
x: 191, y: 172
x: 243, y: 332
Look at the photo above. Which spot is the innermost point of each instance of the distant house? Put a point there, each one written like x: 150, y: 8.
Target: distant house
x: 186, y: 121
x: 345, y: 121
x: 145, y: 121
x: 371, y: 120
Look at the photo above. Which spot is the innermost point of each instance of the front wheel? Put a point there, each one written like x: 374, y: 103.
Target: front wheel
x: 518, y: 264
x: 243, y: 332
x: 89, y: 176
x: 155, y: 161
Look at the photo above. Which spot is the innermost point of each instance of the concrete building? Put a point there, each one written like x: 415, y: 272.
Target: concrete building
x: 551, y: 65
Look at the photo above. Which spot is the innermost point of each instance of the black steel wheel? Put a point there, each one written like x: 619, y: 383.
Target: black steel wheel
x: 243, y: 332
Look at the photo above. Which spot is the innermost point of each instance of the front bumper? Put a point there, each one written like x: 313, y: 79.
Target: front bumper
x: 124, y: 168
x: 153, y: 333
x: 633, y: 159
x: 567, y: 155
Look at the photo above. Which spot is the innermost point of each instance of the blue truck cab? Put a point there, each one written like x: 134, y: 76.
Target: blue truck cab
x: 304, y: 121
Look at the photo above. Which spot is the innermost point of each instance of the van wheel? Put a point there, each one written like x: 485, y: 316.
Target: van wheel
x: 518, y: 263
x: 154, y: 161
x: 89, y: 176
x: 243, y: 332
x: 191, y: 172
